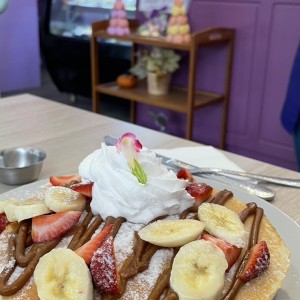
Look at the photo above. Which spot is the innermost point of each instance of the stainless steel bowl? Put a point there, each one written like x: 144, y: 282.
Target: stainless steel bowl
x: 20, y: 165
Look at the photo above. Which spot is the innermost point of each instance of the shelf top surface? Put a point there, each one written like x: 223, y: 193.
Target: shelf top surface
x: 206, y: 37
x: 138, y: 39
x: 175, y: 100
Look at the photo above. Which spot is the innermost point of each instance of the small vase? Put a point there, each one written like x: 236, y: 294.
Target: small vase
x: 158, y: 85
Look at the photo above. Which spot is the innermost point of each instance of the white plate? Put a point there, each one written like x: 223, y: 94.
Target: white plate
x: 286, y: 227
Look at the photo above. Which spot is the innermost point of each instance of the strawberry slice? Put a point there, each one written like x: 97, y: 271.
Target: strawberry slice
x: 200, y: 191
x: 257, y: 262
x: 104, y: 270
x: 87, y: 250
x: 185, y: 174
x: 232, y: 253
x: 64, y: 180
x: 49, y: 227
x: 3, y: 222
x: 85, y: 189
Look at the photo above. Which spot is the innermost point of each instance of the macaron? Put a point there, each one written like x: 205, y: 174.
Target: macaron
x: 114, y: 14
x: 119, y: 5
x: 172, y: 30
x: 178, y: 39
x: 113, y: 22
x: 178, y: 2
x: 120, y: 31
x: 169, y: 38
x: 182, y: 20
x: 123, y: 23
x: 178, y: 10
x: 111, y: 30
x: 121, y: 14
x: 173, y: 20
x: 187, y: 38
x: 184, y: 29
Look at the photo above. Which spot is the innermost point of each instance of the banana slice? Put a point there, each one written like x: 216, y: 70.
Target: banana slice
x: 59, y: 198
x: 4, y: 203
x: 9, y: 210
x: 25, y: 210
x: 223, y: 223
x: 198, y: 271
x: 62, y: 274
x: 171, y: 233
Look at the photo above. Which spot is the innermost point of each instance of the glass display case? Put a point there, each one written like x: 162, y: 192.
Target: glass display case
x: 72, y: 18
x: 65, y: 28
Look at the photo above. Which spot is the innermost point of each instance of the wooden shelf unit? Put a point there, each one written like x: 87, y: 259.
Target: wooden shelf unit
x: 178, y: 99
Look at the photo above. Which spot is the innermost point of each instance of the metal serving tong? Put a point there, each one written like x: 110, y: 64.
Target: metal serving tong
x: 246, y: 185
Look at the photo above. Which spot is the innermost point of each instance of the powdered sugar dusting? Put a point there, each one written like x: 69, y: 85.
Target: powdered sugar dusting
x: 3, y: 249
x: 157, y: 265
x: 103, y: 268
x: 23, y: 293
x: 141, y: 285
x: 64, y: 242
x: 65, y: 194
x: 124, y: 241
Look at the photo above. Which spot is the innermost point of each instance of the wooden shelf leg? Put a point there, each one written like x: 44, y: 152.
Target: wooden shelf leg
x: 191, y: 92
x: 95, y: 74
x: 133, y: 105
x: 227, y: 93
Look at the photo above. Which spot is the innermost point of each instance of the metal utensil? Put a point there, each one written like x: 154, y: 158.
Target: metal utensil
x: 196, y: 170
x: 245, y: 185
x: 249, y: 187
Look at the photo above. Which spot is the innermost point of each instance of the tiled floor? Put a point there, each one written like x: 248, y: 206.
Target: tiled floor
x: 111, y: 107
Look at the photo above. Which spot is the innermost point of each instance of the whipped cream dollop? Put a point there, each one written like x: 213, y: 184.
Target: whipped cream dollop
x: 117, y: 192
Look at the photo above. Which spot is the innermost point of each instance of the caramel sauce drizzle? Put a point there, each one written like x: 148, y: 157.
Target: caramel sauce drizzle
x: 162, y: 285
x: 21, y: 243
x: 222, y: 197
x: 258, y: 212
x: 12, y: 288
x: 142, y: 253
x: 81, y: 229
x: 18, y: 241
x: 88, y: 232
x: 137, y: 262
x: 171, y: 296
x: 162, y: 288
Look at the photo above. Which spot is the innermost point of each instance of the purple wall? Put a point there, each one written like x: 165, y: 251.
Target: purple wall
x: 19, y: 46
x: 267, y: 35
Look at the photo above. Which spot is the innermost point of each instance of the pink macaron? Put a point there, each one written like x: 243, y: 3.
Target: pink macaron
x: 187, y: 38
x: 123, y: 23
x: 119, y: 6
x: 111, y: 30
x: 182, y: 20
x: 113, y: 22
x: 178, y: 39
x: 178, y: 2
x: 172, y: 20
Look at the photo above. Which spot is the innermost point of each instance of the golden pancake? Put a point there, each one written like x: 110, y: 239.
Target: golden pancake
x: 140, y: 286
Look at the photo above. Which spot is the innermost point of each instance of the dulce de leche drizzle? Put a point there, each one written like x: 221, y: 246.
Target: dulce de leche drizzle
x: 253, y: 239
x: 143, y: 252
x: 137, y: 262
x: 21, y: 239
